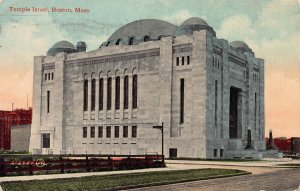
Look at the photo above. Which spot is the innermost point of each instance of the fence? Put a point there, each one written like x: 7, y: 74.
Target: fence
x: 48, y: 164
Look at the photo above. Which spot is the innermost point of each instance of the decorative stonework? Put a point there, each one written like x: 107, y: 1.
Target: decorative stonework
x: 115, y: 58
x: 48, y: 66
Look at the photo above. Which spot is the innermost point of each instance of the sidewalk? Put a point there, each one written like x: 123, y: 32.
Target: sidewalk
x: 262, y: 163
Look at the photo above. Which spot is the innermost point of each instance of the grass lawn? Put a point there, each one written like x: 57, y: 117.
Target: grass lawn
x: 119, y: 180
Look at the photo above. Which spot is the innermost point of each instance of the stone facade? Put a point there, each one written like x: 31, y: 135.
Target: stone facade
x: 207, y: 93
x: 20, y: 137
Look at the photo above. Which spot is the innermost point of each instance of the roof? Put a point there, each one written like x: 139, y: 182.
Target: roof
x: 140, y: 28
x: 63, y: 44
x: 194, y: 21
x: 239, y: 44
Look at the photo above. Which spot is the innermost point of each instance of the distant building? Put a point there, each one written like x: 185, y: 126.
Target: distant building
x: 207, y: 92
x: 288, y: 146
x: 9, y: 119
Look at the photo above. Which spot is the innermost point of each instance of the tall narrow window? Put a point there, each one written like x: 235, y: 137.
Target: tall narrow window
x: 181, y: 100
x: 46, y: 140
x: 182, y: 60
x: 125, y: 131
x: 118, y: 41
x: 134, y: 91
x: 85, y: 95
x: 108, y: 131
x: 109, y: 93
x: 177, y: 61
x: 146, y: 38
x: 216, y: 102
x: 130, y: 42
x: 255, y: 109
x: 52, y: 76
x: 101, y: 94
x: 48, y: 101
x: 84, y: 132
x: 100, y: 131
x: 92, y: 132
x: 116, y: 131
x: 93, y: 93
x: 48, y: 76
x: 126, y: 92
x: 45, y: 77
x: 117, y: 97
x: 188, y: 60
x: 134, y: 131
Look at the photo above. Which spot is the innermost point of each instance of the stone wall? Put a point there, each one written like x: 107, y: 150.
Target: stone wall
x: 20, y: 137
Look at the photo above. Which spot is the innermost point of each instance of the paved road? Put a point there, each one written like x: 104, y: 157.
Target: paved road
x: 283, y: 180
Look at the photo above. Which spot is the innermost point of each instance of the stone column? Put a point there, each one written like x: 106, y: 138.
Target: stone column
x: 104, y: 100
x: 113, y: 95
x: 225, y: 92
x: 58, y: 113
x: 165, y: 88
x: 97, y: 99
x: 242, y: 129
x: 130, y: 77
x: 89, y: 96
x: 35, y: 138
x: 199, y: 80
x: 121, y: 97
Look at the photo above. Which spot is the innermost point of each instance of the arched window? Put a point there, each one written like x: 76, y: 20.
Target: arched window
x: 85, y: 95
x: 126, y: 92
x: 130, y: 41
x: 109, y: 93
x: 93, y: 93
x: 117, y: 97
x: 134, y: 91
x: 101, y: 94
x: 107, y: 43
x: 146, y: 38
x: 118, y: 41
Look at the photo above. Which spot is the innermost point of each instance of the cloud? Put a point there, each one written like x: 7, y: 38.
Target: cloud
x: 178, y: 17
x: 22, y: 41
x: 236, y: 27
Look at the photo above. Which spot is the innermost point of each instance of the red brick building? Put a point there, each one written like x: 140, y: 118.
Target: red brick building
x: 10, y: 118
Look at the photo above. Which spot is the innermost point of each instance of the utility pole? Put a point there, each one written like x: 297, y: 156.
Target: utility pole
x: 161, y: 128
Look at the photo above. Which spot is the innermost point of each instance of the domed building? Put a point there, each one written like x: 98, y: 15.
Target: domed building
x: 207, y: 92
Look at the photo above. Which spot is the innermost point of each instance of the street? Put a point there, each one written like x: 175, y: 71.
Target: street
x: 263, y: 178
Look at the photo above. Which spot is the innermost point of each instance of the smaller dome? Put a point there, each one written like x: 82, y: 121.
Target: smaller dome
x: 238, y: 44
x: 193, y: 24
x: 63, y: 44
x: 194, y: 21
x: 242, y: 46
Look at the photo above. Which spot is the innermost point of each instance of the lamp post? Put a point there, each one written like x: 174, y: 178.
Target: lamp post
x: 161, y: 128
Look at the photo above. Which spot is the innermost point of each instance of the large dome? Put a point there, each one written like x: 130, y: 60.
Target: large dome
x: 61, y: 46
x: 141, y: 30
